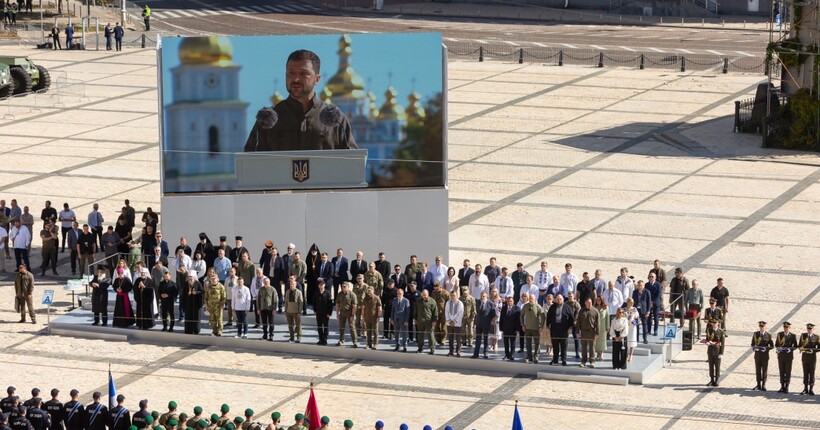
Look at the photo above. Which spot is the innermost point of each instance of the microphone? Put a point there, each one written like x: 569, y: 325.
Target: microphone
x: 331, y: 116
x: 266, y: 118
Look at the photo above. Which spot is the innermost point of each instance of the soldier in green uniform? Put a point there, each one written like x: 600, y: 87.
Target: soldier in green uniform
x: 300, y: 423
x: 714, y: 350
x: 194, y: 420
x: 224, y: 418
x: 183, y: 421
x: 531, y: 317
x: 201, y: 425
x: 786, y: 343
x: 325, y: 423
x: 276, y: 422
x: 468, y: 321
x: 348, y: 424
x: 171, y: 414
x: 212, y: 425
x: 441, y: 296
x: 149, y: 423
x: 155, y: 418
x: 346, y: 307
x: 761, y: 344
x: 809, y: 344
x: 173, y: 424
x: 374, y: 279
x: 249, y: 423
x: 371, y: 312
x: 215, y: 297
x: 425, y: 315
x: 238, y: 422
x: 412, y: 269
x: 359, y: 289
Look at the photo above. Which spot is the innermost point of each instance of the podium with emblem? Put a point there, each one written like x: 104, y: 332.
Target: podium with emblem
x: 288, y: 170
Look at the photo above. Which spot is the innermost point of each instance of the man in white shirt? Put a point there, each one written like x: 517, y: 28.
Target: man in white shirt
x: 66, y: 218
x: 505, y: 285
x: 21, y: 239
x: 479, y: 283
x: 439, y: 271
x: 95, y: 224
x: 568, y: 279
x: 613, y: 299
x: 3, y: 236
x: 241, y: 301
x: 453, y: 314
x: 542, y: 281
x: 529, y: 288
x: 624, y: 283
x: 256, y: 283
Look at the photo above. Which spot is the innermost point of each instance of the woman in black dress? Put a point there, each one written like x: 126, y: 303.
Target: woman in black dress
x: 144, y: 297
x: 123, y: 313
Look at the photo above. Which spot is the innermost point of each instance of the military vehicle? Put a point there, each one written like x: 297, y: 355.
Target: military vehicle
x: 26, y: 75
x: 6, y: 84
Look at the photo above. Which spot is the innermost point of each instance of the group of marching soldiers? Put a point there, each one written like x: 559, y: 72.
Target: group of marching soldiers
x: 785, y: 343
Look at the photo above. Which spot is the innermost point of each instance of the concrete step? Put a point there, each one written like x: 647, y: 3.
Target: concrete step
x: 591, y: 379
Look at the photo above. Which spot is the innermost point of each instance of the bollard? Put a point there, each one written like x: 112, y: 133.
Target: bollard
x: 143, y: 40
x: 480, y: 54
x: 736, y: 128
x: 682, y: 64
x: 561, y: 57
x: 601, y: 59
x: 661, y: 20
x: 744, y: 23
x: 723, y: 22
x: 703, y: 22
x: 640, y: 67
x: 725, y: 65
x: 521, y: 56
x: 681, y: 21
x: 640, y: 18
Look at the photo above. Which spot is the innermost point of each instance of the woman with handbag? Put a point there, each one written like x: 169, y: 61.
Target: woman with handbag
x: 619, y: 332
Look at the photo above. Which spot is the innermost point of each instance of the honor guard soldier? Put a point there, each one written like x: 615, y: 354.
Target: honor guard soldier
x: 74, y: 413
x: 714, y: 350
x: 35, y: 395
x: 201, y: 425
x: 276, y: 422
x: 154, y: 421
x: 9, y: 402
x: 325, y: 423
x: 55, y: 410
x: 39, y: 419
x: 300, y: 423
x: 249, y: 423
x: 96, y: 413
x: 20, y: 422
x: 785, y: 344
x: 149, y: 422
x: 761, y: 344
x: 809, y: 344
x: 118, y: 417
x: 139, y: 418
x: 348, y: 424
x: 194, y: 421
x: 224, y: 418
x: 4, y: 421
x: 183, y: 421
x: 212, y: 423
x: 168, y: 416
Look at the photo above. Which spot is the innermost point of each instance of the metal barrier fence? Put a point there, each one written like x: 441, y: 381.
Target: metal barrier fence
x: 63, y: 91
x: 590, y: 57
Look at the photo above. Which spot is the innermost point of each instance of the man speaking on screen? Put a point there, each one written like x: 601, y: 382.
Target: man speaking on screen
x: 302, y: 121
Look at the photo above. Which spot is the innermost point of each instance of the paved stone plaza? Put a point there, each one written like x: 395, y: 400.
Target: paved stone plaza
x: 599, y: 167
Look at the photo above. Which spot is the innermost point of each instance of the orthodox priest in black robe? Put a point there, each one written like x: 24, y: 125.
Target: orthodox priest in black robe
x: 193, y: 293
x: 99, y: 295
x: 123, y: 313
x: 144, y: 298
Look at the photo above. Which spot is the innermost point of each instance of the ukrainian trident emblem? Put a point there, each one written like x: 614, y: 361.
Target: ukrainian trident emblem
x: 301, y: 170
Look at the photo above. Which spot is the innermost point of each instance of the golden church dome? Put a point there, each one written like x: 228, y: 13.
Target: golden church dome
x: 415, y: 111
x: 276, y: 98
x: 208, y: 50
x: 373, y: 109
x: 390, y: 109
x: 326, y: 96
x: 346, y: 82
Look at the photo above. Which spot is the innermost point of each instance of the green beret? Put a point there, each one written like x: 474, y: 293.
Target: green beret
x: 239, y: 420
x: 299, y: 417
x: 157, y: 428
x: 173, y: 422
x: 133, y: 428
x: 189, y: 428
x: 203, y: 423
x: 155, y: 414
x: 197, y: 410
x: 214, y: 417
x: 183, y: 416
x: 172, y: 405
x: 149, y: 419
x: 276, y: 416
x: 325, y: 420
x: 348, y: 423
x: 230, y: 426
x: 225, y: 409
x: 249, y: 412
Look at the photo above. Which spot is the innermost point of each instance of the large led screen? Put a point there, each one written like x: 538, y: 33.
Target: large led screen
x: 262, y: 113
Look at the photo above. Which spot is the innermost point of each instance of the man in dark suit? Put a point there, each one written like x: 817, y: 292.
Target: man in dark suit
x: 559, y: 320
x: 464, y: 274
x: 484, y: 313
x: 399, y: 278
x: 424, y: 279
x: 358, y: 266
x: 508, y: 323
x: 324, y: 269
x: 643, y: 302
x: 340, y: 271
x: 383, y: 266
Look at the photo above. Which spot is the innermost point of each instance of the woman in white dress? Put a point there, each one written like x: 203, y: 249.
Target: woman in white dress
x: 199, y: 267
x: 451, y: 283
x: 634, y: 319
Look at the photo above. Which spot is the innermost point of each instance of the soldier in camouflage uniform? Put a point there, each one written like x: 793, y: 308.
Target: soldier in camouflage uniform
x: 212, y: 424
x: 224, y: 418
x: 374, y: 279
x: 441, y: 296
x: 170, y: 415
x: 359, y: 289
x: 346, y: 308
x: 155, y: 418
x: 249, y: 423
x: 300, y: 423
x: 371, y: 310
x: 425, y: 315
x: 215, y: 297
x: 194, y: 420
x: 468, y: 321
x: 276, y: 417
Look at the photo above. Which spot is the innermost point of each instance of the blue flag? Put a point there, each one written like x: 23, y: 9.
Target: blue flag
x: 517, y: 420
x: 112, y: 392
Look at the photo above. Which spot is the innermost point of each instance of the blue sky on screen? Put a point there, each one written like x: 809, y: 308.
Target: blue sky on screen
x: 407, y: 61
